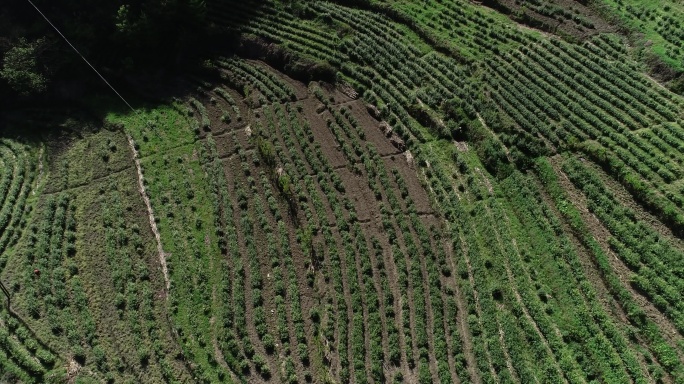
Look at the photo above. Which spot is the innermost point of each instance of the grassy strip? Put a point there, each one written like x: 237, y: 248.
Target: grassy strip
x: 664, y: 352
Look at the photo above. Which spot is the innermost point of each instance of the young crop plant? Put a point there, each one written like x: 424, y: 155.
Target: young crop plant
x: 228, y: 98
x: 359, y: 192
x: 206, y: 123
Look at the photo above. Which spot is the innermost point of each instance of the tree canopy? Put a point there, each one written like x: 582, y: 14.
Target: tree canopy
x: 120, y: 37
x: 20, y: 67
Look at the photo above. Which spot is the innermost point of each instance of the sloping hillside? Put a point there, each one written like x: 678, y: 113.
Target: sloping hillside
x: 362, y: 192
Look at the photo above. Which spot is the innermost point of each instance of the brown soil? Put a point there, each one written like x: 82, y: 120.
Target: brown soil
x: 416, y: 191
x: 371, y: 128
x: 366, y: 208
x: 362, y: 197
x: 321, y: 134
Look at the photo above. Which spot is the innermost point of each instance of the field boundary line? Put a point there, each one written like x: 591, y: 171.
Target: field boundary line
x: 150, y: 213
x: 136, y: 157
x: 88, y: 183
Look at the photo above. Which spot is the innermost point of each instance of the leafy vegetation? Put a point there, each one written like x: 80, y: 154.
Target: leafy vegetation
x: 472, y: 200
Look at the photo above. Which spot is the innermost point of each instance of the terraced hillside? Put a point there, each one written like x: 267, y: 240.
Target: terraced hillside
x: 361, y: 192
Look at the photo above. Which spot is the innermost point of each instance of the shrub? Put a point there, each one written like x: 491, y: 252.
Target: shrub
x: 269, y: 343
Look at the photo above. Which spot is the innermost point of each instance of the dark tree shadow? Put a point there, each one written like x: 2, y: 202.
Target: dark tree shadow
x: 138, y: 48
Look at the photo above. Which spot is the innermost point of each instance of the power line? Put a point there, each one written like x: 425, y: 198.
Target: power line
x: 82, y: 57
x: 130, y: 140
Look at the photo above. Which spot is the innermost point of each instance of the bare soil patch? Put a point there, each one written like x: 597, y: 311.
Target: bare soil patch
x: 321, y: 133
x: 364, y: 202
x: 416, y: 191
x: 315, y: 275
x: 372, y: 128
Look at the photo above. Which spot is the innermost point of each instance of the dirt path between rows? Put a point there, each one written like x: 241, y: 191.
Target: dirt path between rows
x: 600, y: 234
x: 468, y: 344
x: 150, y: 213
x: 603, y: 294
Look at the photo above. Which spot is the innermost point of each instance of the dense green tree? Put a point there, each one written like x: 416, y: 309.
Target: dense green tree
x: 119, y: 38
x: 20, y: 67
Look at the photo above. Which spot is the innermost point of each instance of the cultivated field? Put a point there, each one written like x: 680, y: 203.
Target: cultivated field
x: 387, y: 191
